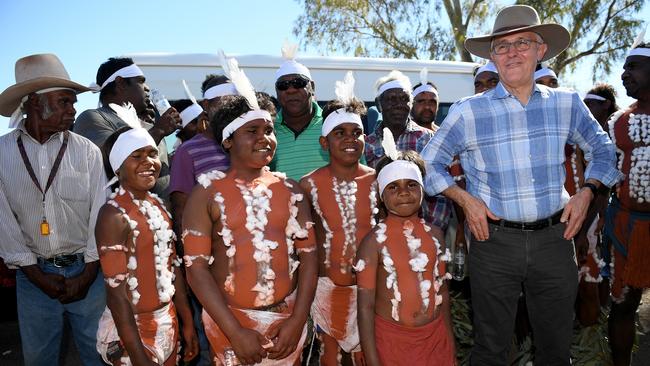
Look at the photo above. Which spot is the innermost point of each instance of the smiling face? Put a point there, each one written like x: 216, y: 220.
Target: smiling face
x: 516, y: 68
x: 252, y: 145
x: 403, y: 197
x: 140, y: 170
x: 345, y: 144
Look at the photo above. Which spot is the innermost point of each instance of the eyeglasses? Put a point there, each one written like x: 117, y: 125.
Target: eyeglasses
x: 521, y: 45
x: 296, y: 83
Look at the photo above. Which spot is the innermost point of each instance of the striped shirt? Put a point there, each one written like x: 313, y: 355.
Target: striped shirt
x: 436, y: 209
x: 513, y: 155
x: 298, y: 155
x: 194, y: 157
x: 71, y: 203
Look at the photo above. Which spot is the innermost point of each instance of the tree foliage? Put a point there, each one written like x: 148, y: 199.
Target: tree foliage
x: 436, y: 29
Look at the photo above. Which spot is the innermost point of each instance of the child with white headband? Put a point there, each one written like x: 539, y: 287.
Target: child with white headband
x: 136, y: 249
x: 404, y: 312
x: 249, y: 247
x: 343, y: 195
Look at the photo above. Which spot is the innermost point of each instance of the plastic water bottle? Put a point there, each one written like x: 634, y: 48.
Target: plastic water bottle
x: 458, y: 264
x: 159, y: 100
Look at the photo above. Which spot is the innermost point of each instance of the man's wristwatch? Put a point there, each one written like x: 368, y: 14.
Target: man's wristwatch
x: 592, y: 187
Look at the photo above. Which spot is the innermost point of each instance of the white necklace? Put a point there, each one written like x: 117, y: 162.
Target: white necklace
x: 639, y: 175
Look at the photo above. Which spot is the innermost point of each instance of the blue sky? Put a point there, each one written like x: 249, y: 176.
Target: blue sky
x: 85, y: 33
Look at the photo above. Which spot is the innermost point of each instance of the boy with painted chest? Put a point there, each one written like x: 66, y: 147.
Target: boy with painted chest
x: 343, y: 197
x: 404, y: 313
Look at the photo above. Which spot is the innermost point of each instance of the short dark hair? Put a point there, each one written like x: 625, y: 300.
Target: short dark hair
x: 233, y: 106
x: 180, y: 104
x: 106, y: 151
x: 107, y: 69
x: 608, y: 92
x: 355, y: 106
x: 212, y: 80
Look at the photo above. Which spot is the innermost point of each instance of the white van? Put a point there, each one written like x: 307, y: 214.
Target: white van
x: 164, y: 71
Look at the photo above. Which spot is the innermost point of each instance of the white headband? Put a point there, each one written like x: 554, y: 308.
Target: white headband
x: 639, y: 51
x: 398, y: 169
x: 290, y: 67
x: 190, y: 113
x: 489, y: 67
x: 544, y: 72
x: 425, y: 88
x: 338, y: 117
x: 595, y: 97
x: 19, y: 114
x: 393, y: 84
x: 243, y: 119
x: 127, y: 143
x: 125, y: 72
x: 220, y: 90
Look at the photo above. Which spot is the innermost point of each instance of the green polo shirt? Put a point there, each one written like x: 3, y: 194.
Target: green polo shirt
x: 297, y: 156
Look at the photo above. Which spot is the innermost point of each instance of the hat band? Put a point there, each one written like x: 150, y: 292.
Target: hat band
x: 243, y: 119
x: 190, y: 113
x: 337, y: 118
x: 425, y: 88
x: 512, y: 27
x: 398, y: 169
x: 639, y: 51
x: 393, y: 84
x: 130, y: 71
x: 594, y: 97
x: 220, y: 90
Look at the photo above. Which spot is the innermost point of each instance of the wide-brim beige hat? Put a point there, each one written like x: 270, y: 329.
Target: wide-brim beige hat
x: 521, y: 18
x: 34, y: 73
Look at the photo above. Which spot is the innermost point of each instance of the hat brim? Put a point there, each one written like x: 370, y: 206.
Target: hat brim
x: 556, y: 37
x: 11, y: 97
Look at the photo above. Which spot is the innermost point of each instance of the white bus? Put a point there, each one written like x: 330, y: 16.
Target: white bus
x: 164, y: 71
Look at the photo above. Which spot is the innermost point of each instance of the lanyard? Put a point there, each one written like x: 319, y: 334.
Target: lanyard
x: 45, y: 227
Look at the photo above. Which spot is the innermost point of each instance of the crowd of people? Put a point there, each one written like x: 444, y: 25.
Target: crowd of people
x: 279, y: 231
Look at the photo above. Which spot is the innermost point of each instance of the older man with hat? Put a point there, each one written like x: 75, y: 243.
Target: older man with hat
x: 511, y: 144
x: 51, y: 188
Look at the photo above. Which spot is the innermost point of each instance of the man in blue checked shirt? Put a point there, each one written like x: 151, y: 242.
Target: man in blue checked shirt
x: 511, y: 145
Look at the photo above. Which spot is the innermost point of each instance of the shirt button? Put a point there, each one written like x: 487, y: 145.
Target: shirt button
x: 43, y: 167
x: 532, y: 180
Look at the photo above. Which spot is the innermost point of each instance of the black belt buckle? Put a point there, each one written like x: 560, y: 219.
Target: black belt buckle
x: 61, y: 261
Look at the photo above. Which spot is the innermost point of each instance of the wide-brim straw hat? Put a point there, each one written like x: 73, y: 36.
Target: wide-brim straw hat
x: 34, y: 73
x: 521, y: 18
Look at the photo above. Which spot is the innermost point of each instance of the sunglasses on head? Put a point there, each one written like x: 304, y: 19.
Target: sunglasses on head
x: 296, y: 83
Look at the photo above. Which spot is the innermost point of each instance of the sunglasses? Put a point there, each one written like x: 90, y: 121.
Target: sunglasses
x: 296, y: 83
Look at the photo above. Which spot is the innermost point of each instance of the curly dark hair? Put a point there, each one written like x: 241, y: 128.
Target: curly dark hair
x: 356, y: 106
x: 429, y: 83
x: 233, y: 106
x: 608, y: 92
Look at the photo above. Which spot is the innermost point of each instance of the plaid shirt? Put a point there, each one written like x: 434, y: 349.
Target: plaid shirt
x: 435, y: 209
x: 513, y: 155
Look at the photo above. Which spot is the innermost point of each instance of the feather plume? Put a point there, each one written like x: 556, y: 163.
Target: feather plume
x: 388, y: 143
x: 424, y: 76
x: 188, y: 94
x: 639, y: 39
x: 289, y: 50
x: 127, y: 114
x: 344, y: 90
x: 238, y: 78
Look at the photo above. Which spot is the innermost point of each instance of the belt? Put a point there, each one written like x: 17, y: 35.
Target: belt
x: 64, y: 260
x: 530, y: 226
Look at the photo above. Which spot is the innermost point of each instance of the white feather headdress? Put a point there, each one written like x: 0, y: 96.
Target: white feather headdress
x: 388, y: 144
x: 640, y: 38
x: 344, y: 90
x: 424, y: 76
x: 290, y: 65
x: 127, y: 114
x: 238, y: 78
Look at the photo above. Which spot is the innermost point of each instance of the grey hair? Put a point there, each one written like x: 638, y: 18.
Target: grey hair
x: 44, y: 102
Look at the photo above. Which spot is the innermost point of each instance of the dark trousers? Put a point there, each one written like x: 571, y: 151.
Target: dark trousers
x: 544, y: 262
